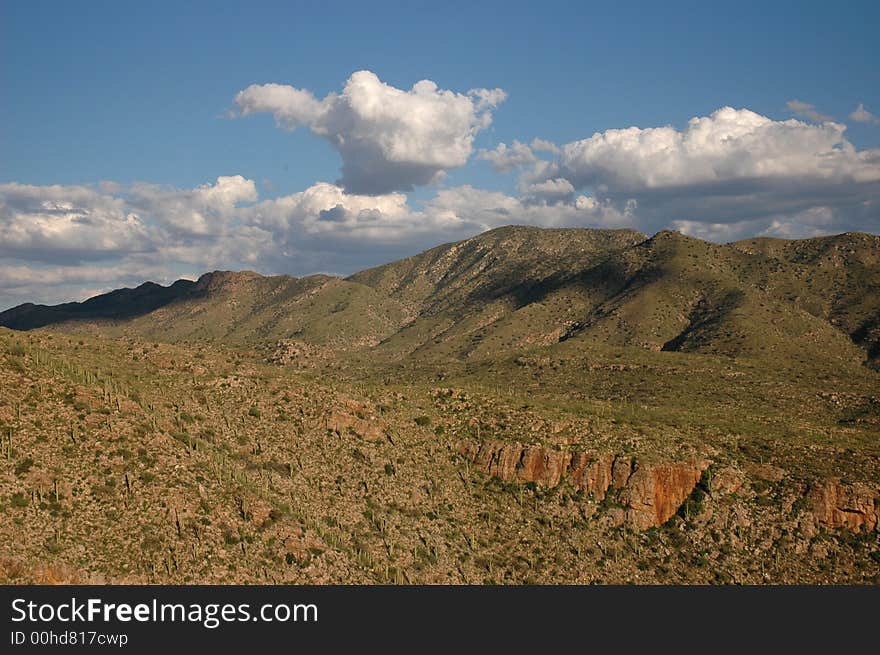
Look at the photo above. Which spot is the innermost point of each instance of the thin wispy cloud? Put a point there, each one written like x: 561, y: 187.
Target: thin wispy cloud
x: 808, y: 111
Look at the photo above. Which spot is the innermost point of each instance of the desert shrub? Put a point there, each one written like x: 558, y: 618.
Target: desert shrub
x: 23, y: 466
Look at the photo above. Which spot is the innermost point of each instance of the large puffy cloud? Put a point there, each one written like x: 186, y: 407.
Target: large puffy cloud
x: 325, y: 214
x: 731, y: 145
x: 326, y: 210
x: 184, y: 232
x: 389, y: 139
x: 66, y: 222
x: 324, y: 228
x: 78, y: 223
x: 190, y: 212
x: 291, y: 107
x: 732, y: 167
x: 67, y: 242
x: 483, y: 210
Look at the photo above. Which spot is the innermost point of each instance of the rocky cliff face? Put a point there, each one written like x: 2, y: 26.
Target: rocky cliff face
x: 853, y: 506
x: 654, y: 492
x: 591, y: 473
x: 517, y: 463
x: 650, y: 493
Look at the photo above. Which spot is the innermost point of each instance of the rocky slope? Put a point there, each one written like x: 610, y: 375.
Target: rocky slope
x: 124, y: 460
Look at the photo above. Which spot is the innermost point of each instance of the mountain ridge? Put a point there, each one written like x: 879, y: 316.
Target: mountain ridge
x: 518, y: 286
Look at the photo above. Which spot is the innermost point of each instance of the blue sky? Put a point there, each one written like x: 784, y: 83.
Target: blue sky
x: 143, y: 95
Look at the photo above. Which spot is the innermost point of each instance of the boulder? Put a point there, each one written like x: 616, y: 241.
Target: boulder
x: 358, y: 419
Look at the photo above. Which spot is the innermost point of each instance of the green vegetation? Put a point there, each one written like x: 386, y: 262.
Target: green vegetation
x: 284, y: 430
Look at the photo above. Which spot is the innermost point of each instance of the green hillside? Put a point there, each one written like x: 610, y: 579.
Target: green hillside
x: 517, y: 287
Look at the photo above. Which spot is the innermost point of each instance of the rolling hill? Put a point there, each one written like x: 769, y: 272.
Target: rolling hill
x: 516, y: 287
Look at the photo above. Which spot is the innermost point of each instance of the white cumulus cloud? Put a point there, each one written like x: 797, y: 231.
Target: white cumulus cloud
x: 326, y: 209
x: 730, y: 145
x: 291, y: 107
x: 389, y: 139
x: 200, y: 211
x: 67, y: 222
x: 722, y: 177
x: 732, y: 167
x: 64, y: 238
x: 324, y: 215
x: 542, y: 145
